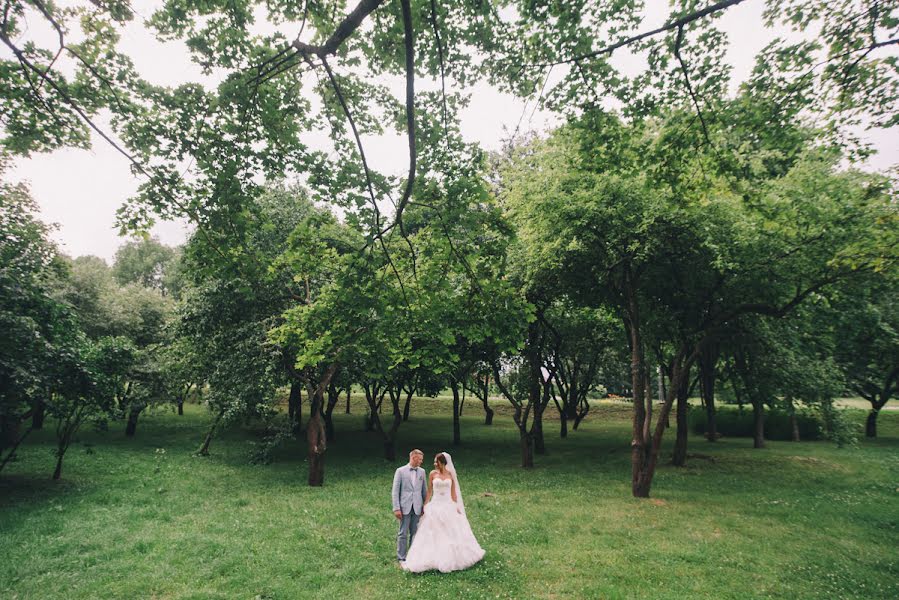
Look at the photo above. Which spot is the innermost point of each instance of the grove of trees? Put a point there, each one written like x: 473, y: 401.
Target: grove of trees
x: 676, y: 233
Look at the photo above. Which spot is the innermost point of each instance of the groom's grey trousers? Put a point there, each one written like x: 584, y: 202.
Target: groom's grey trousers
x: 408, y: 527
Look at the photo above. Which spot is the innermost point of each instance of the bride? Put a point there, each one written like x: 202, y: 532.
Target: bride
x: 444, y: 540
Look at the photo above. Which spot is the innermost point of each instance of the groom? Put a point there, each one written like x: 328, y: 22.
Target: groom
x: 409, y: 491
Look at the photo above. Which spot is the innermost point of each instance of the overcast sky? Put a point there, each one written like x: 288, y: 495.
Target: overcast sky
x: 81, y: 190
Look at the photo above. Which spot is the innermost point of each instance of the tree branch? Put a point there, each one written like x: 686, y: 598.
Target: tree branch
x: 677, y: 23
x: 683, y: 66
x: 343, y: 31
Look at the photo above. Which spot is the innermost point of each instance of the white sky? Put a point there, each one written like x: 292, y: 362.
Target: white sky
x: 81, y: 190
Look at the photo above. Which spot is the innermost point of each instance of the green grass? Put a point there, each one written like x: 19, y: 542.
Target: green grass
x: 143, y: 518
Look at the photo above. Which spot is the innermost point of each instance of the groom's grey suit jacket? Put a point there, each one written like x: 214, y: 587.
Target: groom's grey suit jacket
x: 409, y: 490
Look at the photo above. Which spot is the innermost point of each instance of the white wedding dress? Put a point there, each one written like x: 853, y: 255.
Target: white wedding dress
x: 444, y: 540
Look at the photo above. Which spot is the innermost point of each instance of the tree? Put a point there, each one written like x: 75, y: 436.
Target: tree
x: 867, y: 341
x: 38, y: 330
x: 148, y: 262
x: 79, y: 391
x: 584, y: 344
x: 678, y: 257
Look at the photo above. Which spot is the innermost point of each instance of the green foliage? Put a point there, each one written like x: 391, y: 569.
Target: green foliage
x: 147, y: 262
x: 838, y: 428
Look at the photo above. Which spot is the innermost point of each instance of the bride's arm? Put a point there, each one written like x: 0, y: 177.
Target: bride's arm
x: 453, y: 490
x: 430, y: 487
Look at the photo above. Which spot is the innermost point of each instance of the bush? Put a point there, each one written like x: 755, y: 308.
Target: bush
x: 838, y: 428
x: 739, y: 423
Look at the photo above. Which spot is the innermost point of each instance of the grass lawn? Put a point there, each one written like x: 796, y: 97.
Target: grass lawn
x: 143, y: 518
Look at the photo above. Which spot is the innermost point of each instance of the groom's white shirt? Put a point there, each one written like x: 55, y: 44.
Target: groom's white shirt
x: 409, y: 489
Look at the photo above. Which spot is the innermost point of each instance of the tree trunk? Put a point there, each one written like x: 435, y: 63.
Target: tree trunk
x: 65, y: 429
x: 408, y: 404
x: 642, y: 477
x: 794, y: 422
x: 708, y: 359
x: 457, y: 432
x: 333, y: 397
x: 390, y: 434
x: 349, y: 393
x: 563, y: 417
x: 15, y: 446
x: 182, y: 398
x: 640, y: 444
x: 316, y: 444
x: 316, y: 438
x: 527, y: 450
x: 133, y: 413
x: 462, y: 403
x: 758, y: 418
x: 57, y: 472
x: 663, y: 393
x: 295, y: 407
x: 537, y: 432
x: 537, y: 426
x: 488, y: 412
x: 582, y: 412
x: 37, y: 416
x: 390, y: 450
x: 571, y: 399
x: 204, y: 449
x: 871, y: 423
x: 679, y: 457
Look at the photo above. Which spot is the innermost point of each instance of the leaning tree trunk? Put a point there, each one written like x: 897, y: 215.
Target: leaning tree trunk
x: 37, y: 415
x: 582, y: 412
x: 182, y: 398
x: 708, y: 359
x: 57, y: 472
x: 408, y: 404
x: 204, y: 449
x: 133, y: 414
x: 679, y: 457
x: 457, y: 432
x: 64, y: 432
x: 758, y: 419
